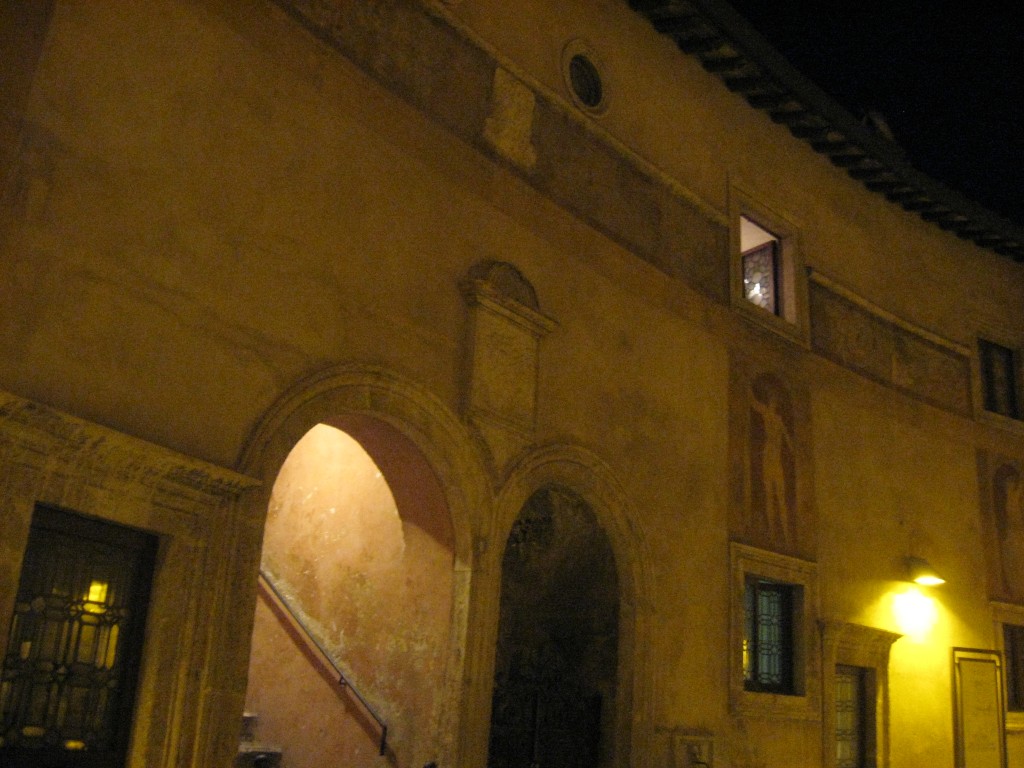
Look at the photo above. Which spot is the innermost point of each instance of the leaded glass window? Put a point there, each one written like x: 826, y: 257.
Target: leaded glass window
x: 768, y: 636
x: 850, y: 716
x: 759, y: 249
x: 760, y: 280
x: 70, y: 666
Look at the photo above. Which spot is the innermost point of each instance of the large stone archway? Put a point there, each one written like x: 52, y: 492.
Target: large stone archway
x: 434, y: 478
x: 586, y: 478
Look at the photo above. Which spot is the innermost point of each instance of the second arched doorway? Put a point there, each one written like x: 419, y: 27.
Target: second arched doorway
x: 556, y: 661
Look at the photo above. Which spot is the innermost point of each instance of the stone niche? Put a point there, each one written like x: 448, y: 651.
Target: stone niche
x: 506, y: 326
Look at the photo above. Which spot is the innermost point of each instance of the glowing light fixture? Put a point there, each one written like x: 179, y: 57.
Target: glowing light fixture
x: 921, y: 572
x: 916, y: 614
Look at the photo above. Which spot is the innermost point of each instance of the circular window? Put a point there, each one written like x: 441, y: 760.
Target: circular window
x: 582, y: 72
x: 585, y: 81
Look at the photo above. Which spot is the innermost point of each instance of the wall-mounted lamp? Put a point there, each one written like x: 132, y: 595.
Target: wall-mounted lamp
x: 921, y: 572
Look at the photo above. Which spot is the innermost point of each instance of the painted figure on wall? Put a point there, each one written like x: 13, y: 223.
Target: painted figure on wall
x: 772, y: 458
x: 1007, y: 501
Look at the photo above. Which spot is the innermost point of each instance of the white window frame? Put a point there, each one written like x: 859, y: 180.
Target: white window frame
x: 792, y: 317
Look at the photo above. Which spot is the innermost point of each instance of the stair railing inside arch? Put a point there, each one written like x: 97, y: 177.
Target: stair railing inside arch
x: 268, y: 585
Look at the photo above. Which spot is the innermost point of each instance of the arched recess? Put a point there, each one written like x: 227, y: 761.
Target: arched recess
x: 417, y: 444
x: 584, y: 475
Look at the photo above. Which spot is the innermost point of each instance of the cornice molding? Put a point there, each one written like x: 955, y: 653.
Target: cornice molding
x: 729, y: 48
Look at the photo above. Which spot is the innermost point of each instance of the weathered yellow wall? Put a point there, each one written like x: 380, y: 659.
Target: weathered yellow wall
x: 210, y: 204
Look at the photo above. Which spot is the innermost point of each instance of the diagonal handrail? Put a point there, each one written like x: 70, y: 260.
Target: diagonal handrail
x: 343, y: 681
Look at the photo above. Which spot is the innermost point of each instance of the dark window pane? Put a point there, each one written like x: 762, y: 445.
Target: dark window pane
x: 69, y: 671
x: 999, y: 379
x: 1013, y: 643
x: 768, y: 636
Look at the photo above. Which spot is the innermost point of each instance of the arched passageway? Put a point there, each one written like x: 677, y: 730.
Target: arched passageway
x: 556, y: 665
x: 359, y: 542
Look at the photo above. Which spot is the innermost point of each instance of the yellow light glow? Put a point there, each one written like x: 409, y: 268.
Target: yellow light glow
x: 97, y: 592
x: 915, y: 613
x: 111, y: 647
x: 74, y: 745
x: 96, y: 597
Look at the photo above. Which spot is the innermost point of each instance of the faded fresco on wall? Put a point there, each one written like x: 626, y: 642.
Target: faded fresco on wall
x: 771, y: 465
x: 1001, y: 480
x: 772, y: 459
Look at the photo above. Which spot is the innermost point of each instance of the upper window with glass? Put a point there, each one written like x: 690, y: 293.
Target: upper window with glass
x: 999, y: 378
x: 768, y: 281
x: 761, y: 253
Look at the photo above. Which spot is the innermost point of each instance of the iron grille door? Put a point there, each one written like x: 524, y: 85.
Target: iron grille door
x: 70, y: 669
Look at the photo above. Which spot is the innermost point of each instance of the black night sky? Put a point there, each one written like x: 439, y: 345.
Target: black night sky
x: 947, y: 77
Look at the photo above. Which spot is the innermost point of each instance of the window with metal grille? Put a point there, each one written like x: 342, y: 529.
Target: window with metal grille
x: 76, y: 635
x: 1013, y: 650
x: 768, y: 647
x: 998, y: 368
x: 851, y: 719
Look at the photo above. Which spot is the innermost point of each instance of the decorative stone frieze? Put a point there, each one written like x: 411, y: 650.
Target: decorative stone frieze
x: 847, y: 329
x: 560, y: 153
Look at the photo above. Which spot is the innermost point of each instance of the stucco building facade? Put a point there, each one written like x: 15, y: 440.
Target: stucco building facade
x: 443, y: 315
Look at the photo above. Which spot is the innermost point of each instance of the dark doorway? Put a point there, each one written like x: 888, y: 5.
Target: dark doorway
x: 72, y: 660
x: 556, y: 663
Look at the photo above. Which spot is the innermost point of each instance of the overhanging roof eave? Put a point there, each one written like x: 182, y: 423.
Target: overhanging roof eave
x: 731, y: 49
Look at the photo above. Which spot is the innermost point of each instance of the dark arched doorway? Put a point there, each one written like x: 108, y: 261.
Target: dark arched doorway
x: 557, y: 652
